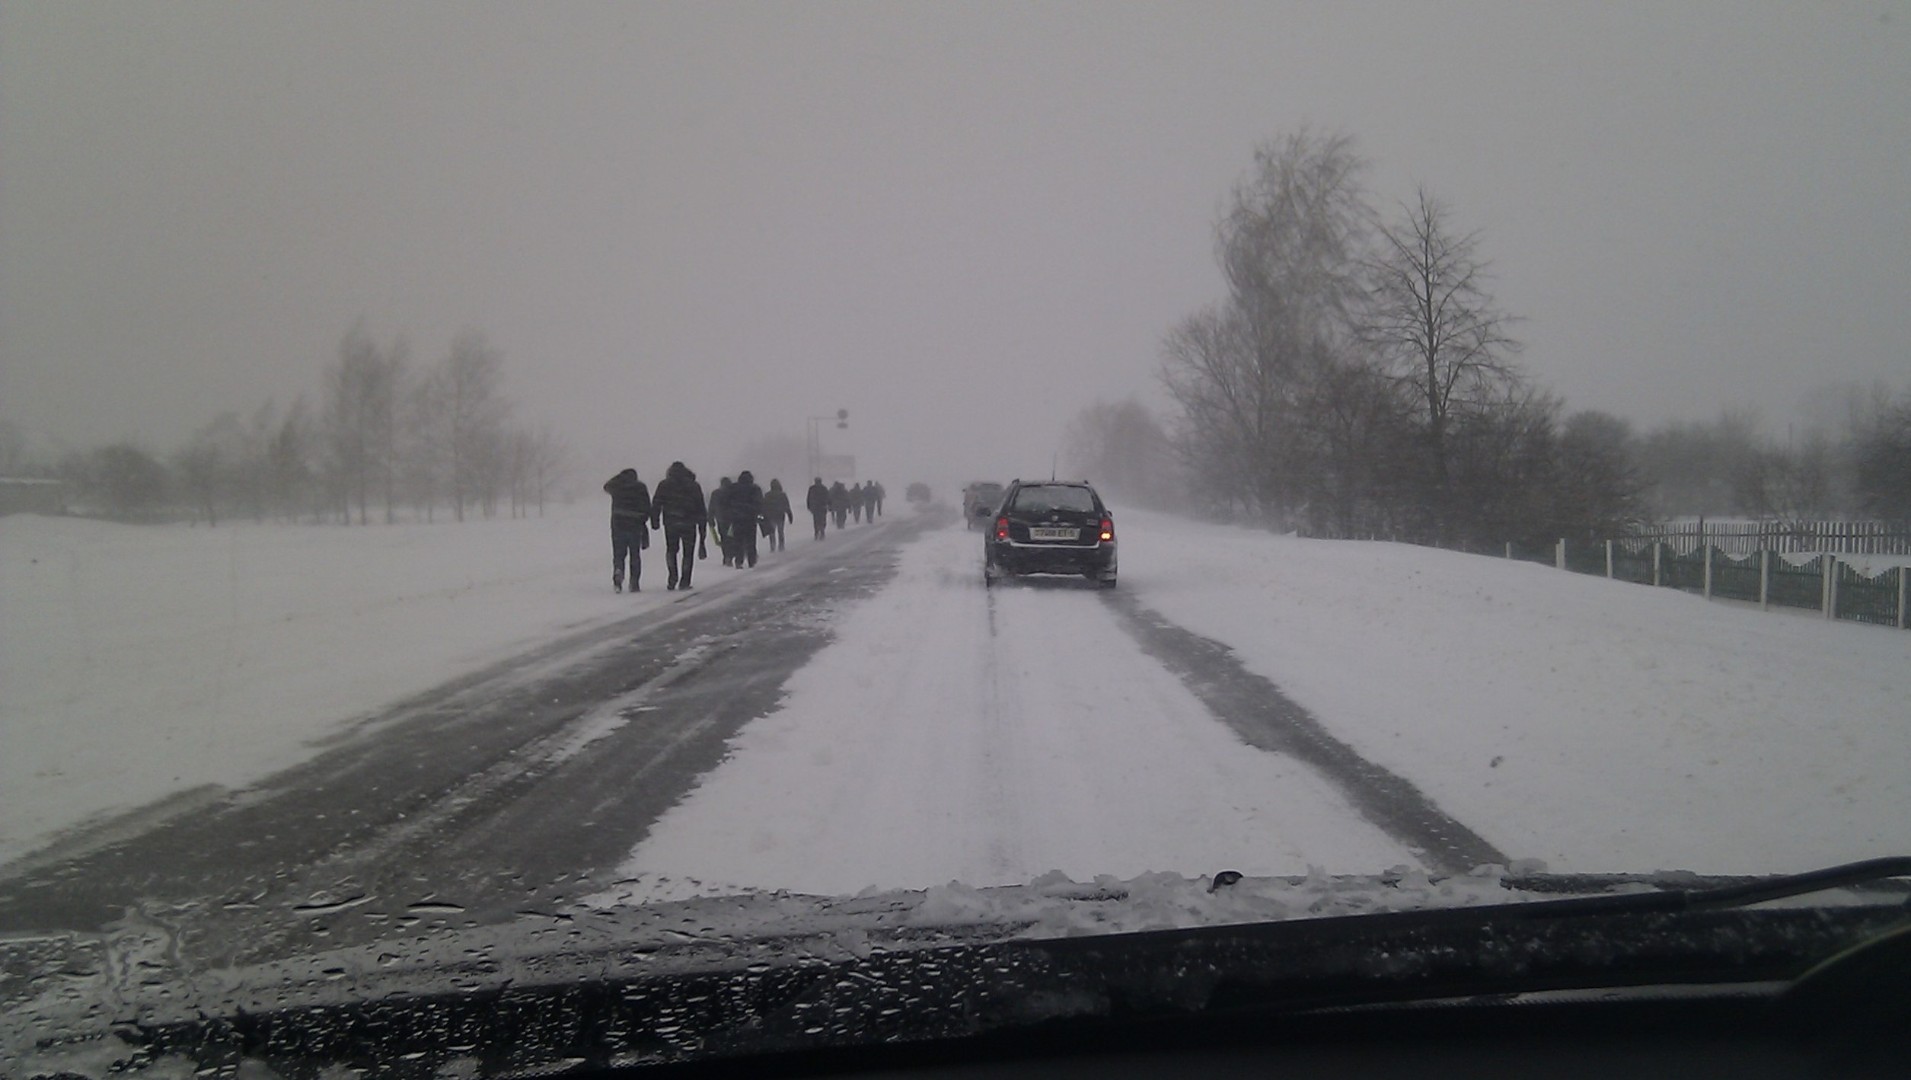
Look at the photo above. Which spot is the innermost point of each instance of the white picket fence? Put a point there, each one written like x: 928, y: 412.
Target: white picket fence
x: 1784, y: 537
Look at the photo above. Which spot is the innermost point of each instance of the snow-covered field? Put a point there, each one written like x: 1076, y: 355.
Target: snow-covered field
x: 1591, y: 724
x: 1594, y: 724
x: 141, y: 661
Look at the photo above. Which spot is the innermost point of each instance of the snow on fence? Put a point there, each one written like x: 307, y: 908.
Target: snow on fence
x: 1778, y: 574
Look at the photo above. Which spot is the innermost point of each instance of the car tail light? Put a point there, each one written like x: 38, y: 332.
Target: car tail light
x: 1001, y: 528
x: 1107, y: 530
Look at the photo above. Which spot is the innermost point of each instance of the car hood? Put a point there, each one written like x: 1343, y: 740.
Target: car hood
x: 773, y: 971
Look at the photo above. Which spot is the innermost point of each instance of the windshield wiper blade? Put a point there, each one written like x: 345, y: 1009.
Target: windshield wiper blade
x: 1716, y: 897
x: 1663, y: 899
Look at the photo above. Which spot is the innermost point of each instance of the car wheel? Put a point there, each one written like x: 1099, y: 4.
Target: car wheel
x: 1108, y: 582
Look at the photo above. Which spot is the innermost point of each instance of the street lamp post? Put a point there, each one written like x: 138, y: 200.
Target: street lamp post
x: 815, y: 439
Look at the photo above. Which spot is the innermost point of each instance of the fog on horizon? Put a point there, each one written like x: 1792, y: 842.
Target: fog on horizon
x: 690, y: 227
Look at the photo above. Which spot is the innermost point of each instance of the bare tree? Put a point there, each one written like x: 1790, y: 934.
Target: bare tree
x: 1429, y: 316
x: 252, y: 479
x: 1881, y: 455
x: 470, y: 416
x: 1504, y: 469
x: 1126, y: 451
x: 1356, y: 434
x: 1597, y: 486
x: 361, y: 417
x: 549, y: 458
x: 426, y: 444
x: 1291, y: 240
x: 1228, y: 431
x: 1244, y: 374
x: 520, y: 463
x: 291, y: 462
x: 208, y: 466
x: 13, y: 450
x: 1701, y: 468
x: 125, y: 481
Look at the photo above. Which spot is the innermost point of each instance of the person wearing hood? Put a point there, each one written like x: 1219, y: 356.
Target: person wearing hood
x: 776, y: 514
x: 839, y: 503
x: 678, y: 509
x: 817, y: 500
x: 629, y: 526
x: 745, y: 506
x: 720, y: 519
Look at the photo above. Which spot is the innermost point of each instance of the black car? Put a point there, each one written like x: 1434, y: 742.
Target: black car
x: 1050, y: 527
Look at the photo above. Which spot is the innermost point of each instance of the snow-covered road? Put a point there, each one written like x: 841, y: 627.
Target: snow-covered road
x: 943, y: 731
x: 953, y: 732
x: 990, y: 736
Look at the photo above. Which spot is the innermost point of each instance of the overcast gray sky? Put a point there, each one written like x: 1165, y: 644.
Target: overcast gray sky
x: 689, y: 224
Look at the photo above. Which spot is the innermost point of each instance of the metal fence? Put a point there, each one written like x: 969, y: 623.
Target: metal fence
x: 1824, y: 582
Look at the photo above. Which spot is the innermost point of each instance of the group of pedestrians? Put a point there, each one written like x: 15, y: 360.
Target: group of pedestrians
x: 735, y: 513
x: 864, y: 501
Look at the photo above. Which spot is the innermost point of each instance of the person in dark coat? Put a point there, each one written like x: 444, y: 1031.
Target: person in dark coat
x: 629, y: 526
x: 776, y: 514
x: 856, y: 503
x: 720, y: 520
x: 818, y: 503
x: 745, y: 507
x: 839, y: 503
x: 678, y: 509
x: 876, y: 496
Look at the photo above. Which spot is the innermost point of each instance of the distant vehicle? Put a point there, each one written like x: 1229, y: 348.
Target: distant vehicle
x: 979, y: 501
x: 1050, y: 527
x: 918, y: 492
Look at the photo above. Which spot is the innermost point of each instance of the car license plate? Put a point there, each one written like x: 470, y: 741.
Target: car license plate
x: 1037, y: 533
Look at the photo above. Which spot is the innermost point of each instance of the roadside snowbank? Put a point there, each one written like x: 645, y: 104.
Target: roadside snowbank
x: 1592, y: 724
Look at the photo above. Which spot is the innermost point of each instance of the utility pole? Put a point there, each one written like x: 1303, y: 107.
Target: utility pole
x: 815, y: 443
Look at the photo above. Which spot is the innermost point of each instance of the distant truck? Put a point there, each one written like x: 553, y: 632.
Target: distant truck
x: 979, y: 501
x: 918, y: 492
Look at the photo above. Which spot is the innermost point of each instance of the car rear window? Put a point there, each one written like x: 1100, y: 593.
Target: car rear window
x: 1042, y: 497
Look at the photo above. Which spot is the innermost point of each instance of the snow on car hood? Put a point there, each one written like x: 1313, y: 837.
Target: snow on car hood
x: 72, y: 985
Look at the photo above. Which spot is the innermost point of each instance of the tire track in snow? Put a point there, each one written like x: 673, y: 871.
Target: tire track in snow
x: 1268, y: 719
x: 1001, y: 859
x: 496, y: 792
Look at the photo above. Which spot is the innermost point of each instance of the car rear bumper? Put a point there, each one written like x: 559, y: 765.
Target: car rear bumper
x: 1021, y: 558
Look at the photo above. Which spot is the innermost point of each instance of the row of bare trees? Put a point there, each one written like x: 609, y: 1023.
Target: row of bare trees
x: 385, y: 439
x: 1856, y: 462
x: 1360, y: 379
